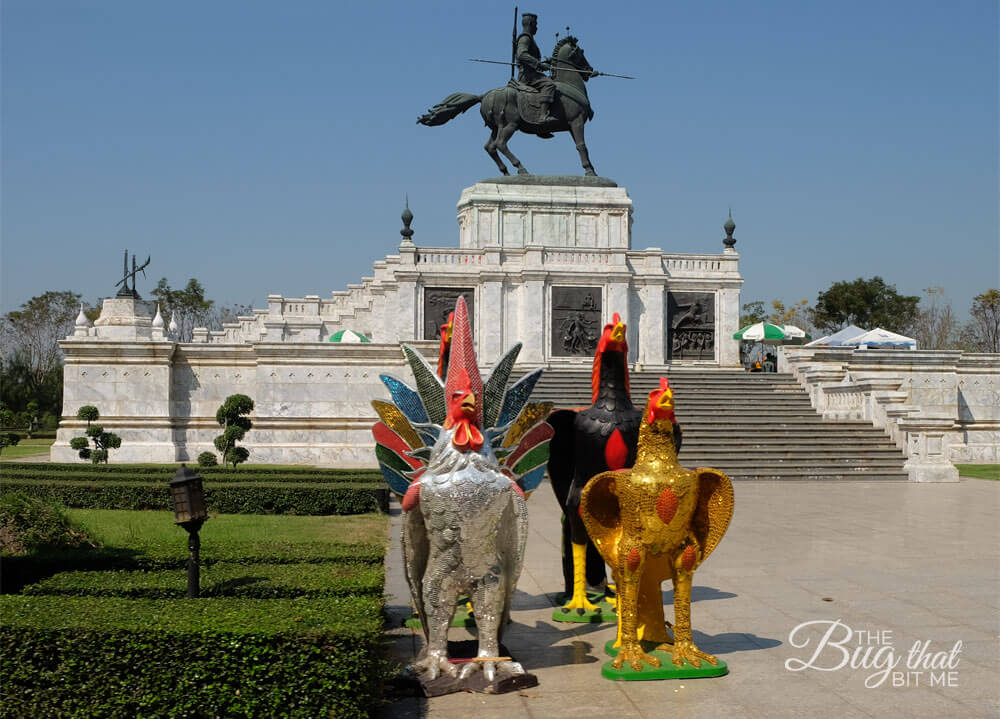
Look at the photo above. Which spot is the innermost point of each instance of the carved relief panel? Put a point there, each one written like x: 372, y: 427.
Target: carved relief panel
x: 438, y: 302
x: 576, y: 321
x: 692, y: 325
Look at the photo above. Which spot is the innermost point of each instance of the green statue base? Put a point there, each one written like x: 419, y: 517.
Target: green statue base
x: 464, y: 617
x: 666, y: 670
x: 605, y: 612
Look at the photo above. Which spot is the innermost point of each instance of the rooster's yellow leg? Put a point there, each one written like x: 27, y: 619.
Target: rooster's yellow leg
x: 684, y: 647
x: 629, y: 575
x: 612, y: 600
x: 579, y: 599
x: 652, y: 627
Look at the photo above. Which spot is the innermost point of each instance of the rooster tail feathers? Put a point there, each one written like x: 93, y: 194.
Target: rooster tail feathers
x: 516, y: 397
x: 394, y: 459
x: 405, y: 399
x: 429, y: 385
x: 494, y: 392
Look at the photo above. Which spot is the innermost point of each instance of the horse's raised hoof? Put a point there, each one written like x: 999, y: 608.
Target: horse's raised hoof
x: 522, y: 171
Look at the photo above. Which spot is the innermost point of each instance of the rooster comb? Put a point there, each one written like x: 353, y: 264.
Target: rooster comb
x: 463, y: 355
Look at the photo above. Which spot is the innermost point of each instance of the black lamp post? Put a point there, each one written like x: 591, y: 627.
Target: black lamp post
x: 189, y: 512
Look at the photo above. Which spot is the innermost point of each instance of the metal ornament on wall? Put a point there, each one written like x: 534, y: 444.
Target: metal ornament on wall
x: 576, y: 321
x: 439, y: 302
x: 692, y: 325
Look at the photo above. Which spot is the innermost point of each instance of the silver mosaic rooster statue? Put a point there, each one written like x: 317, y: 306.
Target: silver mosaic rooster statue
x: 462, y: 456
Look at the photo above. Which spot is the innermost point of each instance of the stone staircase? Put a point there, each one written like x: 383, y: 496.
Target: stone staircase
x: 750, y: 426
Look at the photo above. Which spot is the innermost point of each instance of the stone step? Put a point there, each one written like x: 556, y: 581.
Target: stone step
x: 868, y: 442
x: 791, y: 475
x: 753, y: 427
x: 754, y: 462
x: 799, y: 452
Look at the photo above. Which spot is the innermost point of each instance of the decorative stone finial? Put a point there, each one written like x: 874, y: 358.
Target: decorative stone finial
x: 172, y: 328
x: 158, y: 319
x: 81, y: 319
x: 729, y: 227
x: 407, y: 218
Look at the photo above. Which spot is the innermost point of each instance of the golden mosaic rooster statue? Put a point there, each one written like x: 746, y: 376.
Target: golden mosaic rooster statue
x: 653, y: 522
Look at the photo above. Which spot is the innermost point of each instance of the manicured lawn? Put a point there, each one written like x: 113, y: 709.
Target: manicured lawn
x: 981, y: 471
x: 27, y: 448
x: 238, y: 537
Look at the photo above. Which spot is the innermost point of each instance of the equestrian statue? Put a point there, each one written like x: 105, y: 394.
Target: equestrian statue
x: 534, y: 103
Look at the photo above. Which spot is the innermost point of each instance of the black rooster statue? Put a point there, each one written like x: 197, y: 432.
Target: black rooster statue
x: 600, y: 438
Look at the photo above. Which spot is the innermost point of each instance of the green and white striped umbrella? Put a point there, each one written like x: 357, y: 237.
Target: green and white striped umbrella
x: 793, y: 332
x: 348, y: 337
x: 760, y: 332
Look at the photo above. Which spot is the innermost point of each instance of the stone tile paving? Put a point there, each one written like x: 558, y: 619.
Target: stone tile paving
x: 921, y: 561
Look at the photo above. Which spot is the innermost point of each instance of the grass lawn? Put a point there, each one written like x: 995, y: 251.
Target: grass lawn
x: 27, y: 448
x: 981, y: 471
x: 236, y: 537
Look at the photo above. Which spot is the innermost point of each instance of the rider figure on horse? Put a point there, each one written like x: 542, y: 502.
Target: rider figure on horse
x: 531, y: 68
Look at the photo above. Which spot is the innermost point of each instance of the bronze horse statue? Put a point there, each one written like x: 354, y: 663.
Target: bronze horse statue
x: 502, y: 110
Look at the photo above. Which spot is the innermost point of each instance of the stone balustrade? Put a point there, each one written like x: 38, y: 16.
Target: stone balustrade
x: 939, y: 407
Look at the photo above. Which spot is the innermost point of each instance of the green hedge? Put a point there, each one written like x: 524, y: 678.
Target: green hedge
x: 150, y: 473
x: 227, y: 498
x: 222, y: 579
x: 167, y: 470
x: 102, y: 657
x: 82, y: 475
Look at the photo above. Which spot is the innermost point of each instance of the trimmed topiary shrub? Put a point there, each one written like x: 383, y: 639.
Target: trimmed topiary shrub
x: 207, y: 459
x: 103, y: 441
x: 232, y: 416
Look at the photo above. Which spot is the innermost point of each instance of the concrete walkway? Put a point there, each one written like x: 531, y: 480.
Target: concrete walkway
x: 919, y: 561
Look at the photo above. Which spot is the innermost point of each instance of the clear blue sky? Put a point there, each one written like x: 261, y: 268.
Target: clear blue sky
x: 267, y: 147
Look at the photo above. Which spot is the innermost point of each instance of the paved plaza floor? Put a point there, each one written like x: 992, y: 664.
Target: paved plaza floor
x: 897, y: 563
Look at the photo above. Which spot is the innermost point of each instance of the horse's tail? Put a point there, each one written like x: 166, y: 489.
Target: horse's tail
x: 449, y: 108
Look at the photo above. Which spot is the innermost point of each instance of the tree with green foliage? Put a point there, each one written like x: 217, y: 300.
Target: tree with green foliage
x: 103, y: 441
x: 187, y: 306
x: 753, y: 312
x: 865, y: 303
x: 232, y: 417
x: 7, y: 439
x: 32, y: 359
x: 982, y: 334
x: 796, y: 314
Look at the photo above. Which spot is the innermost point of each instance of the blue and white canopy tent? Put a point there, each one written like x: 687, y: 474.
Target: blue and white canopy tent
x: 879, y: 337
x: 836, y: 339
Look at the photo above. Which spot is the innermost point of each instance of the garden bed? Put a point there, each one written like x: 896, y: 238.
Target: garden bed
x: 289, y: 623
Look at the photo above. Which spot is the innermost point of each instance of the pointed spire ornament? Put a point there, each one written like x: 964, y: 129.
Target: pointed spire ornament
x: 729, y: 227
x: 407, y: 218
x: 158, y: 319
x: 82, y: 320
